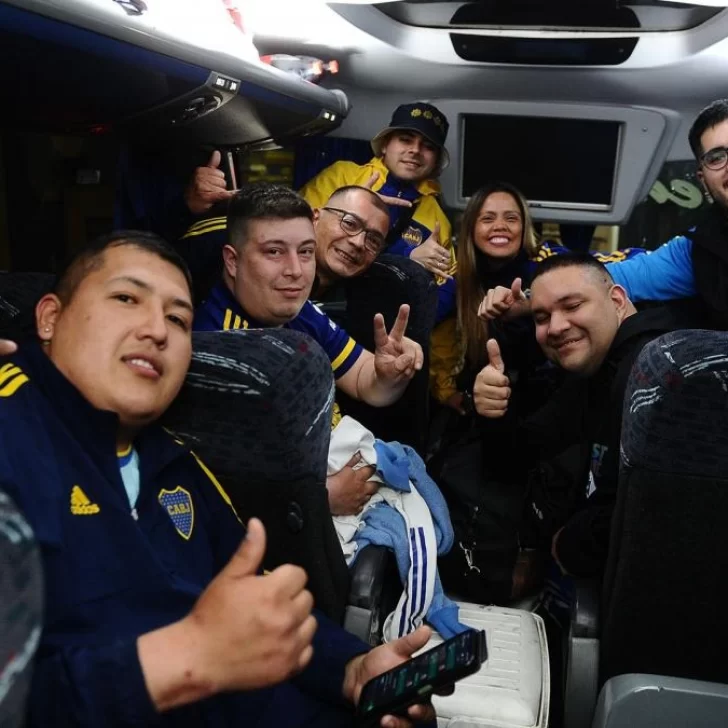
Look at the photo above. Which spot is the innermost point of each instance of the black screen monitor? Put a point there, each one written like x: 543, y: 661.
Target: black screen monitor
x: 555, y: 162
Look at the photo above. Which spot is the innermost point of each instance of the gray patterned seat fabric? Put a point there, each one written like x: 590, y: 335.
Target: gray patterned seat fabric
x: 21, y: 611
x: 19, y: 293
x: 256, y: 408
x: 665, y: 587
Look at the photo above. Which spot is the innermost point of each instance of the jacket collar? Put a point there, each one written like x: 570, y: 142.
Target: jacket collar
x: 223, y: 299
x: 426, y: 187
x: 656, y: 321
x: 94, y: 429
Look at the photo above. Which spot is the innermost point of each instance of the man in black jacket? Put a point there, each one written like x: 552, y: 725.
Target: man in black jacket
x: 586, y: 325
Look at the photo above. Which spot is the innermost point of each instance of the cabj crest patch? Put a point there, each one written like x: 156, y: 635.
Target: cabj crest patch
x: 412, y: 235
x: 179, y: 507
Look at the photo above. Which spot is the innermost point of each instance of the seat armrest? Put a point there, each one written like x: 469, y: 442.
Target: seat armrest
x: 582, y: 655
x: 373, y: 594
x: 585, y: 609
x: 367, y: 577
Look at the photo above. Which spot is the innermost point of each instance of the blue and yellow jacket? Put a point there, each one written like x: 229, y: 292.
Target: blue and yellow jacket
x: 110, y: 576
x: 220, y: 311
x: 446, y: 353
x: 427, y: 213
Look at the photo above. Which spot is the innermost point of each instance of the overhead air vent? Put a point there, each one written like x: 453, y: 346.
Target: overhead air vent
x: 543, y: 51
x: 536, y: 13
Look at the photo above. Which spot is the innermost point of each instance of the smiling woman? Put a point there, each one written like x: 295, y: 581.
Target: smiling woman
x: 497, y: 244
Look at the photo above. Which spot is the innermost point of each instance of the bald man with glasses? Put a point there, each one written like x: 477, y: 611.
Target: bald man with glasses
x: 351, y: 231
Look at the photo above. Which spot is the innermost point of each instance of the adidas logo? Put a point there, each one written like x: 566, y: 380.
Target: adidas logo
x: 80, y: 504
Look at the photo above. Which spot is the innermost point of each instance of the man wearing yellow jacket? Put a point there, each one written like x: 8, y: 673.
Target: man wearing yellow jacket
x: 409, y: 154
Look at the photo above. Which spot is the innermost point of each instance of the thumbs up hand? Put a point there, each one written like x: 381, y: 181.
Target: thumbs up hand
x: 207, y: 186
x: 505, y: 302
x: 252, y: 631
x: 492, y: 392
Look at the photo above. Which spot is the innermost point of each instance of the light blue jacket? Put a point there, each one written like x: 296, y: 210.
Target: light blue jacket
x: 397, y: 465
x: 661, y: 275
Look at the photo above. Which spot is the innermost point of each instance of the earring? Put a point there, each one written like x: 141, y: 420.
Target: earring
x: 47, y: 329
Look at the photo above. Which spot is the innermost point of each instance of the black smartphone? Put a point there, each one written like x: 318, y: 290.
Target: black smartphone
x: 392, y: 692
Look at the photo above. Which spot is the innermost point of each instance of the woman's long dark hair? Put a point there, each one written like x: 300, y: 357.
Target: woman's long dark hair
x: 470, y: 293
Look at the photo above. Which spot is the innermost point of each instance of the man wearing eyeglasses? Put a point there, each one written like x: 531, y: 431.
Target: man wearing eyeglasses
x: 351, y: 231
x: 694, y: 263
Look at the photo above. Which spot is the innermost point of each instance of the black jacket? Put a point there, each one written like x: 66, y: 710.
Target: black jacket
x: 589, y: 411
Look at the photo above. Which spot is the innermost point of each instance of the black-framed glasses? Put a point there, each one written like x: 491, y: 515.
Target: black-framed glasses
x: 352, y: 224
x: 715, y: 158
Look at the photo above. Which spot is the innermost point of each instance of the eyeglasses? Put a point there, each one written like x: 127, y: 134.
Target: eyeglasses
x: 352, y: 225
x: 715, y: 159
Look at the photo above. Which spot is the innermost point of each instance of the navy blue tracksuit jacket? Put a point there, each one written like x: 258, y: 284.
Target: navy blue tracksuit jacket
x: 110, y: 577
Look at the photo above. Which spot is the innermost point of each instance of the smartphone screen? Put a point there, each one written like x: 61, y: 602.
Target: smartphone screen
x: 449, y: 661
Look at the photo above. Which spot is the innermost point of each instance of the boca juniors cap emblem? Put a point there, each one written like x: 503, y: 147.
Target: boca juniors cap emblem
x: 179, y: 507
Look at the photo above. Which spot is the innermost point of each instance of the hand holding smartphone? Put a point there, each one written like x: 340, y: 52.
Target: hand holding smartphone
x: 392, y: 692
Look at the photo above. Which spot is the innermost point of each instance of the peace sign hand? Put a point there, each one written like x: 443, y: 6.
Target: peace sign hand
x: 396, y: 358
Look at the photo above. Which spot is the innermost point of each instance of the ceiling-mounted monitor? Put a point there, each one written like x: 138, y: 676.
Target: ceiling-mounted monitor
x: 564, y: 163
x: 585, y: 163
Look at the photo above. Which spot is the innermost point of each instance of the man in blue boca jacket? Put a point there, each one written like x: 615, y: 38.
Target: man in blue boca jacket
x: 155, y: 614
x: 269, y: 267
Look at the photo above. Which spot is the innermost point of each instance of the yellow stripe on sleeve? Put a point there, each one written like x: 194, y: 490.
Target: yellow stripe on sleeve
x: 13, y: 386
x: 344, y: 353
x: 206, y: 226
x: 227, y: 319
x: 208, y: 221
x: 238, y: 322
x: 8, y: 372
x: 217, y: 484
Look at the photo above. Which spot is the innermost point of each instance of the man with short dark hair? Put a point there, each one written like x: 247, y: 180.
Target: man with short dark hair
x: 587, y: 325
x: 269, y: 269
x: 155, y: 612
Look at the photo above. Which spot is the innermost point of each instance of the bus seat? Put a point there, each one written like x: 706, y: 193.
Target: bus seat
x: 19, y: 292
x: 656, y: 701
x: 391, y: 281
x: 21, y: 611
x: 256, y: 408
x: 664, y: 592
